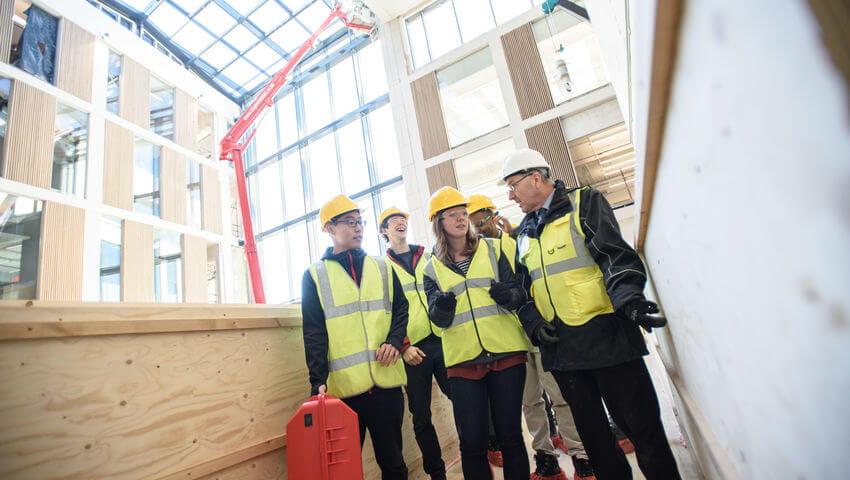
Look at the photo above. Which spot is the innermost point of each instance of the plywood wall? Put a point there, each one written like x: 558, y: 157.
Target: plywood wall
x: 185, y: 120
x: 173, y: 206
x: 137, y: 262
x: 28, y: 149
x: 118, y: 167
x: 194, y: 269
x: 134, y: 95
x: 429, y: 116
x: 60, y: 266
x: 75, y: 60
x: 211, y: 199
x: 527, y: 74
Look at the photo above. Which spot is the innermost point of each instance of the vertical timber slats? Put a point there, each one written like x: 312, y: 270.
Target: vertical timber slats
x: 185, y: 120
x: 548, y: 139
x: 173, y: 186
x: 137, y: 263
x: 118, y: 167
x: 441, y: 175
x: 28, y: 151
x: 194, y: 269
x: 210, y: 199
x: 75, y: 60
x: 527, y: 74
x: 429, y: 116
x: 60, y: 266
x: 7, y: 8
x: 135, y: 91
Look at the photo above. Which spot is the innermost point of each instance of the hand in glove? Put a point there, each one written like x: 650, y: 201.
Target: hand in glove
x: 546, y: 333
x: 500, y: 292
x: 641, y: 312
x: 446, y: 302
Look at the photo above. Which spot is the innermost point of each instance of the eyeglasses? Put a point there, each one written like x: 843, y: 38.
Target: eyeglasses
x: 455, y: 215
x: 351, y: 222
x: 396, y: 220
x: 483, y: 221
x: 512, y: 186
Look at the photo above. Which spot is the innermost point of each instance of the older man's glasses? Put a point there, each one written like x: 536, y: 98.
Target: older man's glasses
x: 512, y: 186
x: 455, y: 215
x: 351, y: 222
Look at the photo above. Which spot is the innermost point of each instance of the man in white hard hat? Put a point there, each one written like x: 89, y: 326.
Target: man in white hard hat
x: 587, y: 285
x: 354, y: 320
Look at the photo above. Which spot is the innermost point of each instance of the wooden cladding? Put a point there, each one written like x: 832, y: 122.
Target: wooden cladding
x: 28, y: 150
x: 185, y: 120
x: 137, y: 263
x: 60, y: 266
x: 429, y: 116
x: 75, y: 60
x: 548, y: 139
x: 211, y: 199
x: 441, y: 175
x: 173, y: 206
x: 194, y: 269
x: 135, y: 86
x: 7, y: 9
x: 118, y: 167
x: 527, y: 74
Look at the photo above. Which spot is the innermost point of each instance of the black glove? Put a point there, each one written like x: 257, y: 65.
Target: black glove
x: 500, y: 292
x: 446, y: 302
x: 546, y: 333
x: 640, y: 312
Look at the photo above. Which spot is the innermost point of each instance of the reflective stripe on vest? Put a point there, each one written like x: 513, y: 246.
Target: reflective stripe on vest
x: 419, y: 325
x: 565, y: 280
x: 479, y: 323
x: 358, y: 320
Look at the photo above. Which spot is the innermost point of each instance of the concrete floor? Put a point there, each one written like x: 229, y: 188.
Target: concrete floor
x: 688, y: 467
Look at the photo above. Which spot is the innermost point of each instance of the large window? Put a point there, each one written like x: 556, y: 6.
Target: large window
x: 471, y: 97
x: 20, y: 232
x: 110, y: 259
x: 70, y: 148
x: 5, y: 88
x: 167, y: 267
x: 478, y: 173
x: 113, y: 82
x: 605, y: 160
x: 162, y: 108
x: 146, y: 181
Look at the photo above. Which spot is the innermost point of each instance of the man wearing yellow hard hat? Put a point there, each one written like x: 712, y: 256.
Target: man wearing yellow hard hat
x: 354, y: 320
x: 422, y: 350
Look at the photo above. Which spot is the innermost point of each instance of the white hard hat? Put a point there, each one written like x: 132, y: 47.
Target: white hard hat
x: 520, y: 160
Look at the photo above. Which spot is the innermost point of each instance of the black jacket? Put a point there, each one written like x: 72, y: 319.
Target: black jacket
x: 606, y: 339
x: 314, y: 327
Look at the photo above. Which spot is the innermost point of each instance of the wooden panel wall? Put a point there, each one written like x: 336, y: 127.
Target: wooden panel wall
x: 28, y: 150
x: 441, y: 175
x: 137, y: 263
x: 60, y: 266
x: 135, y: 90
x: 75, y: 60
x: 185, y: 120
x: 7, y: 8
x: 548, y: 139
x: 211, y: 199
x: 118, y: 167
x: 429, y: 116
x: 527, y: 74
x: 173, y: 191
x: 194, y: 269
x: 206, y: 396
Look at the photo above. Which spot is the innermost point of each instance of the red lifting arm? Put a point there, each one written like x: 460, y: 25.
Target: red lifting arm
x: 231, y: 148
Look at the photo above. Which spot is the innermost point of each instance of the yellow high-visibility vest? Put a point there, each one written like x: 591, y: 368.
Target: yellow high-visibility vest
x: 565, y: 280
x: 479, y: 323
x: 358, y: 321
x: 419, y: 325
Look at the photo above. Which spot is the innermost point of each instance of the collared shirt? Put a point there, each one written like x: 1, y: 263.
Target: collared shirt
x: 548, y: 202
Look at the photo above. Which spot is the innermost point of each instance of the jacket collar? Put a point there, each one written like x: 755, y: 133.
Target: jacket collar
x: 560, y: 206
x: 343, y: 256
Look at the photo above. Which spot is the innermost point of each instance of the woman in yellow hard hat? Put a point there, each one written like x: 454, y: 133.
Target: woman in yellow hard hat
x: 471, y: 291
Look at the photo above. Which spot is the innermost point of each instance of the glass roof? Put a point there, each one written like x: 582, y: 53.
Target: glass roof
x: 235, y: 45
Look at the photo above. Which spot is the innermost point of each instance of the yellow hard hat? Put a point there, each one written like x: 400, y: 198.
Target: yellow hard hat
x: 336, y: 207
x: 389, y: 213
x: 479, y: 202
x: 446, y: 197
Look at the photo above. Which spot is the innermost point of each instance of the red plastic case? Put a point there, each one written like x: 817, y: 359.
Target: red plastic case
x: 323, y: 441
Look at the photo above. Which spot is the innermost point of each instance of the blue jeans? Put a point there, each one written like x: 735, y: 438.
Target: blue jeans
x: 502, y: 391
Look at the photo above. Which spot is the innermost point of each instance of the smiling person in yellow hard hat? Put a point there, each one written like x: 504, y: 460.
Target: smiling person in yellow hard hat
x: 422, y: 350
x: 472, y: 291
x: 354, y: 320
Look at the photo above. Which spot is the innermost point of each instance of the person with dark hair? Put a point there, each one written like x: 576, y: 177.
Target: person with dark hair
x: 587, y: 284
x: 422, y: 350
x: 354, y: 320
x: 472, y: 291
